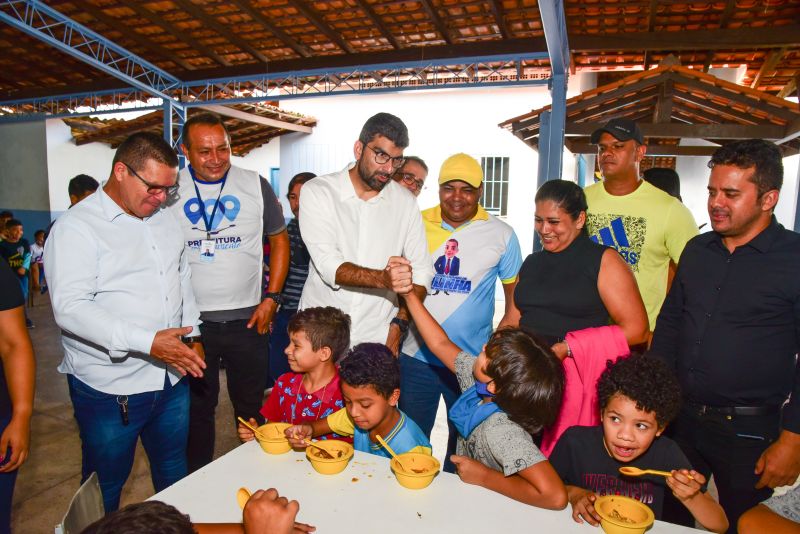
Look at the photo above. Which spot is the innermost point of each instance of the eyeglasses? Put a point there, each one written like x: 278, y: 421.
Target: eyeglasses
x: 154, y: 189
x: 381, y: 158
x: 409, y: 179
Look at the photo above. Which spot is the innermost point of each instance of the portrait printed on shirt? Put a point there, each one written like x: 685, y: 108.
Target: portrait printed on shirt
x: 624, y: 233
x: 447, y: 267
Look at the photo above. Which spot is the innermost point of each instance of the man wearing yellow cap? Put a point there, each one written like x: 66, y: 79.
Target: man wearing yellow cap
x: 473, y: 249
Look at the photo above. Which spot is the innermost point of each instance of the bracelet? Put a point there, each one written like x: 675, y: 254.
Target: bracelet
x: 569, y: 350
x: 402, y: 324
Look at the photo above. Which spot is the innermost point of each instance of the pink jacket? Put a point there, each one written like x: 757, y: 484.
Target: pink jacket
x: 591, y: 349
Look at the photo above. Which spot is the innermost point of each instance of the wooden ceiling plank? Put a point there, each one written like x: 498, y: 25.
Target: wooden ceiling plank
x: 652, y: 150
x: 378, y: 23
x: 130, y: 33
x: 608, y: 107
x: 257, y: 119
x: 120, y: 129
x: 182, y: 36
x: 741, y: 95
x: 437, y: 21
x: 768, y: 65
x: 790, y: 87
x: 310, y: 13
x: 720, y: 110
x: 226, y: 32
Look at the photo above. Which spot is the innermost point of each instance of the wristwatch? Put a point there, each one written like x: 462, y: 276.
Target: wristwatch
x: 191, y: 339
x: 402, y: 324
x: 274, y: 296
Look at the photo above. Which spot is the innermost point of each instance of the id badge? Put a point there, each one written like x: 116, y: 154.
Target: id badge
x: 207, y: 250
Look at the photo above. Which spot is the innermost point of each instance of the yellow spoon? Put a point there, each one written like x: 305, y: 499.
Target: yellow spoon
x: 394, y: 454
x: 636, y: 472
x: 254, y: 429
x: 242, y: 496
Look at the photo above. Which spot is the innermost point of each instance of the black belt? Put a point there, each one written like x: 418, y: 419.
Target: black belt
x: 702, y: 409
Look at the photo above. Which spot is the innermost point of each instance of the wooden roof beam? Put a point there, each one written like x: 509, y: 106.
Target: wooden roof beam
x: 225, y: 31
x: 437, y: 20
x: 741, y: 95
x: 499, y: 16
x: 791, y: 87
x: 735, y: 39
x: 708, y: 104
x: 378, y: 23
x: 577, y: 147
x: 257, y: 16
x: 663, y: 109
x: 768, y: 65
x: 131, y: 33
x: 602, y: 109
x: 308, y: 12
x: 257, y: 119
x: 170, y: 29
x: 691, y: 131
x: 123, y: 129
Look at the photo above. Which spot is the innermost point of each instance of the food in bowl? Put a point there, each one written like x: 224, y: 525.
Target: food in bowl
x: 341, y: 453
x: 272, y: 439
x: 415, y: 470
x: 623, y: 515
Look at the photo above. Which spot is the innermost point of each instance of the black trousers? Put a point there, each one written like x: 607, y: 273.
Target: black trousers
x: 727, y: 446
x: 246, y: 356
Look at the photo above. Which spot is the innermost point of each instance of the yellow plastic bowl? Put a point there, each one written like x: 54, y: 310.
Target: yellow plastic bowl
x: 330, y: 466
x: 276, y: 442
x: 615, y: 509
x: 427, y: 465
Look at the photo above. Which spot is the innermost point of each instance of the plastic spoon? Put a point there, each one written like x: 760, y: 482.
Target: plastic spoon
x: 254, y: 429
x: 394, y: 455
x: 636, y: 472
x: 330, y: 453
x: 242, y: 496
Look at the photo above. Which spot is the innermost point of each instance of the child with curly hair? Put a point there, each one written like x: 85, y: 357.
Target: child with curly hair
x: 638, y: 397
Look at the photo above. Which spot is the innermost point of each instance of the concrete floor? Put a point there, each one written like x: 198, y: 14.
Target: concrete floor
x: 52, y: 473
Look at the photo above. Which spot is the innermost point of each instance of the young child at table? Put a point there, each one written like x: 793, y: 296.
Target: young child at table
x: 319, y: 337
x: 638, y: 397
x: 370, y: 378
x: 511, y: 390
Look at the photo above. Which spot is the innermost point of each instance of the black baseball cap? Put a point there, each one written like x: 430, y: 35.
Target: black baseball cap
x: 621, y: 129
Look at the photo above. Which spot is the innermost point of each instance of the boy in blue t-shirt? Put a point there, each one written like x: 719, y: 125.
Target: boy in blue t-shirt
x: 370, y: 380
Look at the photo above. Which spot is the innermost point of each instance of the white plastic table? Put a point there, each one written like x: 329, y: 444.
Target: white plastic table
x: 365, y: 497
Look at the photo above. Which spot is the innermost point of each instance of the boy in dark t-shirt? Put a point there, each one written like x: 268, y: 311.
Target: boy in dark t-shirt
x: 638, y: 397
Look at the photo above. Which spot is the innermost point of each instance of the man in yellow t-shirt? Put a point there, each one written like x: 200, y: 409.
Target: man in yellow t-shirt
x: 646, y: 225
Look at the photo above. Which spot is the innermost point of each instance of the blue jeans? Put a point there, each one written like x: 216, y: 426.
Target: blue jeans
x: 420, y: 387
x: 7, y: 481
x: 161, y: 418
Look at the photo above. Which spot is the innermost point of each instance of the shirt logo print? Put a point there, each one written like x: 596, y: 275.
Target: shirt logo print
x: 622, y: 232
x: 227, y: 208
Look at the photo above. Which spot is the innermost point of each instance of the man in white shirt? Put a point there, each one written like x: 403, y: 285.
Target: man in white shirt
x: 365, y: 236
x: 121, y: 292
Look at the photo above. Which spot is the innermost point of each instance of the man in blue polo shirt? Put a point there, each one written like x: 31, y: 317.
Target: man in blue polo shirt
x: 462, y: 296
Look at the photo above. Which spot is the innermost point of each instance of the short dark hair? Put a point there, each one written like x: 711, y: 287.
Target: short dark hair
x: 416, y: 159
x: 645, y: 380
x: 528, y: 378
x: 141, y: 147
x: 567, y: 196
x: 371, y: 364
x: 665, y: 179
x: 148, y: 516
x: 387, y: 125
x: 765, y: 156
x: 324, y: 327
x: 11, y: 223
x: 299, y: 178
x: 39, y: 231
x: 205, y: 118
x: 82, y: 184
x: 6, y: 215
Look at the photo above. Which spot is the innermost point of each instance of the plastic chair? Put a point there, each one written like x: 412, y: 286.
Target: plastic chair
x: 85, y: 508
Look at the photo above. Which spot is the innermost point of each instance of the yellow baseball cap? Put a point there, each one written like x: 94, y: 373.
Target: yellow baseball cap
x: 461, y: 167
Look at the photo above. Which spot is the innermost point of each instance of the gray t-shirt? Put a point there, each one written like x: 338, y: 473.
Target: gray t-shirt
x: 786, y: 505
x: 498, y: 442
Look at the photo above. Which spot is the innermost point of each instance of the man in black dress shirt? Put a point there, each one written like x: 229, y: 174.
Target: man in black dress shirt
x: 730, y: 327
